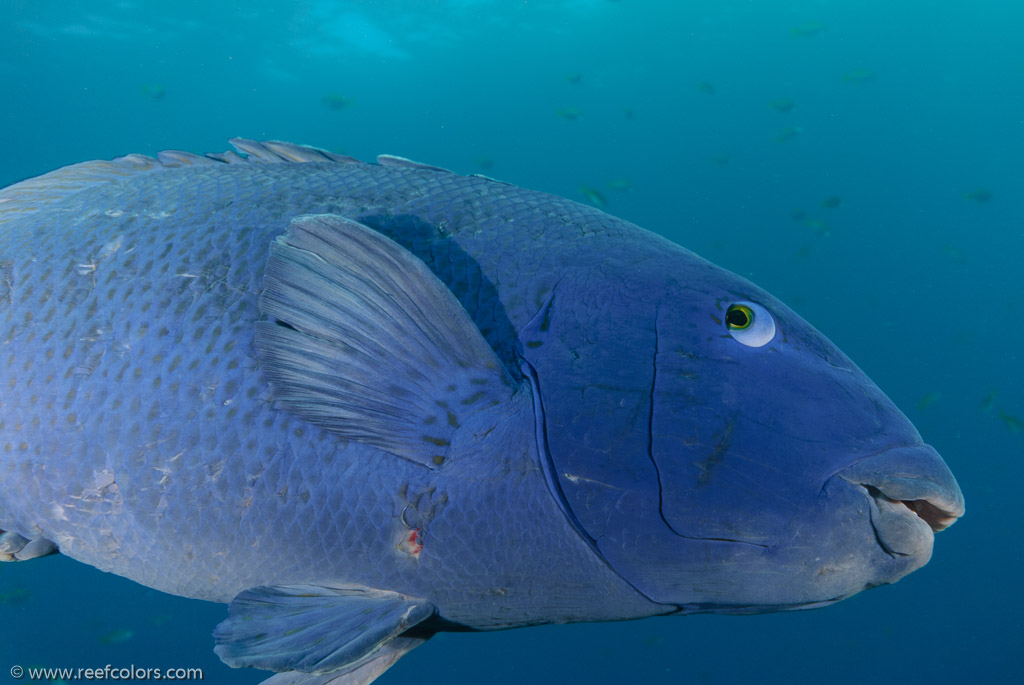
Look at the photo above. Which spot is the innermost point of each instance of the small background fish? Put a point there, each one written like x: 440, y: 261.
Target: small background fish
x: 262, y: 72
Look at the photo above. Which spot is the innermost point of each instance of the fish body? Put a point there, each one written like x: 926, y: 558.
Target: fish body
x: 364, y: 403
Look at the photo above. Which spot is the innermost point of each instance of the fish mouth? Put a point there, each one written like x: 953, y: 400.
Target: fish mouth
x: 911, y: 495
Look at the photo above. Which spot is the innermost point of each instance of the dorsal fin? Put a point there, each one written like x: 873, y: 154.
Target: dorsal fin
x: 263, y: 152
x: 178, y: 158
x: 35, y: 193
x: 394, y: 160
x: 275, y: 151
x: 299, y: 153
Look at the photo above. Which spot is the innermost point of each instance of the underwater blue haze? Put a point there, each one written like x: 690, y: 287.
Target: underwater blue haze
x: 861, y: 161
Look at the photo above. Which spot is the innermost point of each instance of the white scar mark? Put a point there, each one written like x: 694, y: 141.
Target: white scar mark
x: 580, y: 479
x: 109, y: 248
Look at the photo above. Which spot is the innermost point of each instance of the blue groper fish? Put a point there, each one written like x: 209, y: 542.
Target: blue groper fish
x: 365, y: 403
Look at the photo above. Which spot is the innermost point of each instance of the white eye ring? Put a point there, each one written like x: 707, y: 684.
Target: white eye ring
x: 750, y: 323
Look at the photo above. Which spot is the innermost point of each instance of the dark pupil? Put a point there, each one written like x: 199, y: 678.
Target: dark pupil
x: 737, y: 318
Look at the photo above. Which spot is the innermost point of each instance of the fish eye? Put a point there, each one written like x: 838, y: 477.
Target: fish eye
x: 739, y: 317
x: 750, y: 324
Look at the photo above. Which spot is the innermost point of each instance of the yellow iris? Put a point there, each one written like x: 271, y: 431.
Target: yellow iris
x: 739, y: 317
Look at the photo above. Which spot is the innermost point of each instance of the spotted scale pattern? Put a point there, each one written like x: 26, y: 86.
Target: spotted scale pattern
x: 138, y: 434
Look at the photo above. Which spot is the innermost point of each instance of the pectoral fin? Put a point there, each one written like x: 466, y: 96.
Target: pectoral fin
x: 317, y: 635
x: 363, y: 340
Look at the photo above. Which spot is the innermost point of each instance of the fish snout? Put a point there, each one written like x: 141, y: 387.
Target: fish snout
x: 912, y: 494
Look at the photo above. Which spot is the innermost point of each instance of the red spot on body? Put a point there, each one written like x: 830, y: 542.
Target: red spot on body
x: 412, y: 544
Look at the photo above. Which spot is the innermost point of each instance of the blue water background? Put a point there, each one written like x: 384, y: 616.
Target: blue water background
x: 911, y: 113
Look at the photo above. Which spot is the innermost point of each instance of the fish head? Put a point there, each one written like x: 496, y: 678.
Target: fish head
x: 766, y: 471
